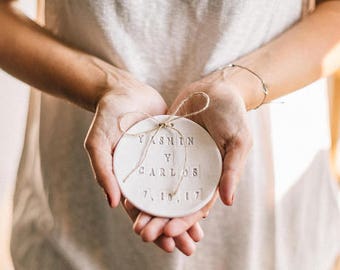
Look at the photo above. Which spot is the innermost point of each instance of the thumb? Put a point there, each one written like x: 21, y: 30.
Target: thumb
x: 101, y: 162
x: 100, y: 152
x: 236, y: 153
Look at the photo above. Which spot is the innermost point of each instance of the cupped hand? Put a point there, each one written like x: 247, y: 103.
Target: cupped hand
x: 128, y: 95
x: 151, y: 229
x: 225, y: 120
x: 181, y: 232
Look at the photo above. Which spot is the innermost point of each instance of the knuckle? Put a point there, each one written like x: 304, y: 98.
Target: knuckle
x: 243, y: 140
x: 238, y: 140
x: 147, y: 235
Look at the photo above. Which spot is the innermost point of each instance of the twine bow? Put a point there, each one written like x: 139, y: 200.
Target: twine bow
x: 168, y: 123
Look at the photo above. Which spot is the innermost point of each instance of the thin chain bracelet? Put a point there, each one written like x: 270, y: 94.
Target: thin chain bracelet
x: 264, y: 87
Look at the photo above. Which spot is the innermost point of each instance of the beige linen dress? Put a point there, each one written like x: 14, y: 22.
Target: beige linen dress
x: 61, y: 219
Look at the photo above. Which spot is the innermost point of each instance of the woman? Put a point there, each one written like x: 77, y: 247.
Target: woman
x: 111, y: 57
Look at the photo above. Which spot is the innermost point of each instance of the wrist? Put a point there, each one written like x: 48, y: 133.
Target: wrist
x: 249, y: 85
x: 101, y: 80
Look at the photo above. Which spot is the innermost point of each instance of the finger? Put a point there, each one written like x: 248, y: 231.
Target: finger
x: 131, y: 210
x: 153, y: 229
x: 166, y: 243
x: 141, y: 221
x: 177, y: 226
x: 233, y: 165
x: 185, y: 244
x: 196, y: 233
x: 101, y: 162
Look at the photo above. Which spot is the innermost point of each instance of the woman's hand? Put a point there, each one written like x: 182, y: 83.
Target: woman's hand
x: 152, y: 229
x: 225, y: 120
x: 181, y: 233
x: 127, y: 94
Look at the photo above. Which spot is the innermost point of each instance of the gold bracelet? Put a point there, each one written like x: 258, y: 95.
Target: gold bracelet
x: 264, y: 87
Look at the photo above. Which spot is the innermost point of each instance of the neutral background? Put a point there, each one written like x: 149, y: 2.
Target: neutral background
x: 299, y: 120
x: 14, y: 97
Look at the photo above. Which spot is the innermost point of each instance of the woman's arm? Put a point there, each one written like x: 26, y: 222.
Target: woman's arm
x: 33, y: 55
x: 301, y: 55
x: 307, y: 51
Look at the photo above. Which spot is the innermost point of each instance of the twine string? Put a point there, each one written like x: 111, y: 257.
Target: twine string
x: 167, y: 124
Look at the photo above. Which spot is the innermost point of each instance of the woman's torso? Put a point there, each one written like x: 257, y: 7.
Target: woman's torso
x: 165, y: 44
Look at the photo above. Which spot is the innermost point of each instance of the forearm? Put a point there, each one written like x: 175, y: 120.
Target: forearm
x: 306, y: 52
x: 30, y: 53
